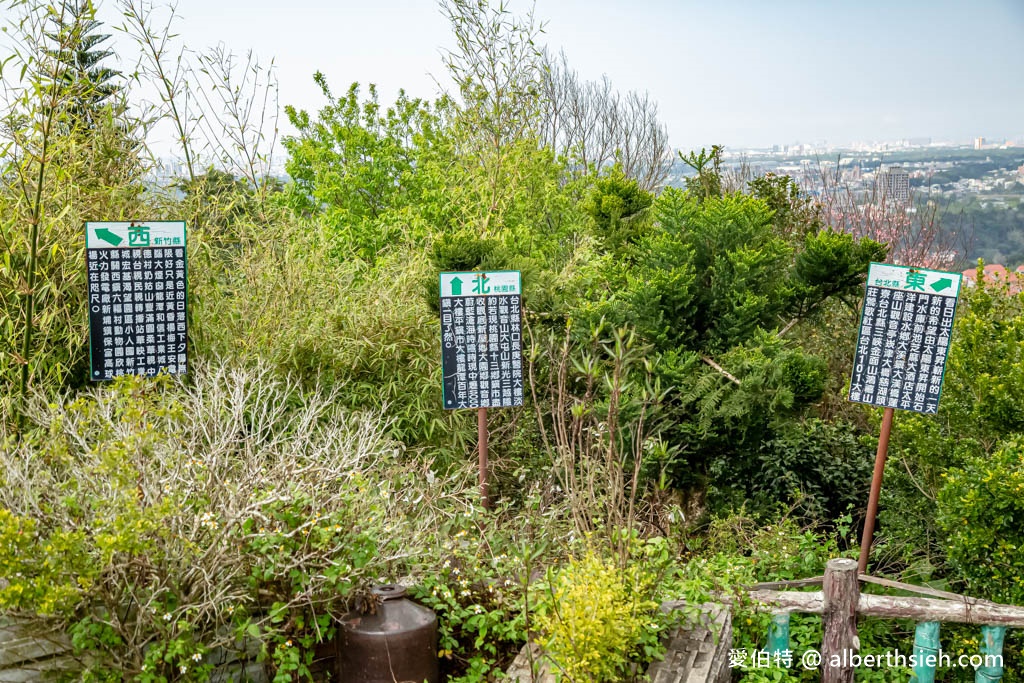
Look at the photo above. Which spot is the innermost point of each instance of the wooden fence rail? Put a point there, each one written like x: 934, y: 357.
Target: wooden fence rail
x: 840, y: 602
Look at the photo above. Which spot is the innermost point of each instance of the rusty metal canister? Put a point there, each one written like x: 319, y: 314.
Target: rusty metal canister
x: 396, y: 644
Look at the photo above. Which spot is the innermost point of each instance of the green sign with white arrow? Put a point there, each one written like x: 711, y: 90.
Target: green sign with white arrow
x: 137, y: 293
x: 910, y: 279
x: 126, y: 235
x: 905, y: 332
x: 481, y: 339
x: 482, y: 283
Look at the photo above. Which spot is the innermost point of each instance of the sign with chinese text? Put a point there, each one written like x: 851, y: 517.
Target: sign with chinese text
x: 138, y: 298
x: 481, y: 340
x: 905, y: 329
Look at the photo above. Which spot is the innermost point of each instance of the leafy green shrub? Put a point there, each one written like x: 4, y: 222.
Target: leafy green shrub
x: 980, y: 414
x: 597, y: 618
x: 617, y: 206
x: 70, y: 155
x: 365, y: 333
x: 782, y: 550
x: 357, y: 167
x: 713, y: 287
x: 980, y: 507
x: 821, y: 468
x: 737, y: 551
x: 477, y: 588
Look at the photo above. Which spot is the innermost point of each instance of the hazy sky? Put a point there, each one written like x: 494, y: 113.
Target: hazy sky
x: 735, y: 72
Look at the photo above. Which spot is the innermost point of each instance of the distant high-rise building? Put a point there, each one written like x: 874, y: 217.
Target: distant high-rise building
x: 893, y: 184
x: 979, y: 143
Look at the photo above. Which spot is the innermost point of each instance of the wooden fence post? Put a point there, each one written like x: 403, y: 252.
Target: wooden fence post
x: 926, y: 643
x: 841, y: 593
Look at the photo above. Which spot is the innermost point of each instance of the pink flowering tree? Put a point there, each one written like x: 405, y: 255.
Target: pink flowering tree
x: 918, y: 231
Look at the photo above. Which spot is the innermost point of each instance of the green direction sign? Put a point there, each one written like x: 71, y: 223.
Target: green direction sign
x: 908, y: 279
x: 905, y: 332
x: 125, y: 235
x: 481, y: 339
x: 499, y: 282
x: 137, y: 280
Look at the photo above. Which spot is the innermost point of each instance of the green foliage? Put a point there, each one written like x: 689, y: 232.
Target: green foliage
x: 479, y: 595
x: 980, y: 413
x: 596, y: 617
x: 776, y: 379
x: 738, y: 264
x: 138, y: 519
x: 984, y: 368
x: 712, y: 273
x: 678, y: 346
x: 783, y: 550
x: 831, y: 264
x: 822, y: 469
x: 713, y: 286
x: 359, y: 168
x: 980, y: 507
x: 465, y: 251
x: 796, y: 213
x: 496, y: 65
x: 616, y: 205
x: 219, y: 202
x: 68, y: 159
x: 87, y: 81
x: 708, y: 165
x: 737, y: 550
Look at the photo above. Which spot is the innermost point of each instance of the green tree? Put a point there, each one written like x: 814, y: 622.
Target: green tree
x: 617, y: 206
x: 980, y: 414
x: 795, y: 212
x: 358, y: 168
x: 99, y: 137
x: 714, y: 286
x: 88, y: 83
x: 980, y: 506
x: 708, y: 165
x: 56, y: 174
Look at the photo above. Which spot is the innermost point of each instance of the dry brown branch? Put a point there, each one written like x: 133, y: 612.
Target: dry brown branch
x: 596, y: 126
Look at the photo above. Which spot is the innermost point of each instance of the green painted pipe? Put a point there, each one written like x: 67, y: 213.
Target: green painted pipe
x: 991, y: 648
x: 778, y: 633
x: 926, y: 652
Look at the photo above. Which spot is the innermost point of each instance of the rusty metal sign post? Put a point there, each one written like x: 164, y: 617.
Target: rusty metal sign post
x: 481, y: 348
x: 905, y: 329
x: 482, y: 437
x: 876, y: 490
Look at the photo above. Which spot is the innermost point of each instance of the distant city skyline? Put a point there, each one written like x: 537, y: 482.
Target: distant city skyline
x: 741, y: 73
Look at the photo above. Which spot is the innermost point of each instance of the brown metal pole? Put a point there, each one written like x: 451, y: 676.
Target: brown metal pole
x: 481, y: 432
x: 876, y: 489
